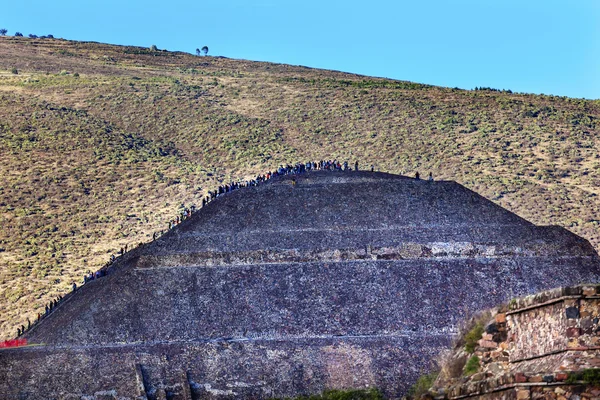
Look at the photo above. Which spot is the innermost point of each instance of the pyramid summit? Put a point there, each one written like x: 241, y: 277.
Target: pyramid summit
x: 326, y: 279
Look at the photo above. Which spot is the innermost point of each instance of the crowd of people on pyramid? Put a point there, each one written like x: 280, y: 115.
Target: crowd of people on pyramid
x: 290, y: 169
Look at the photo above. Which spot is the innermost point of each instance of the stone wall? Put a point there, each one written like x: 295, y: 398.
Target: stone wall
x: 216, y: 369
x: 538, y: 331
x: 547, y: 340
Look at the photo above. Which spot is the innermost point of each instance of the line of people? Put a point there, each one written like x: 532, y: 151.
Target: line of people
x: 289, y: 169
x: 49, y: 307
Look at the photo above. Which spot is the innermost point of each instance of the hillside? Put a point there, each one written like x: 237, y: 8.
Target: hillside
x: 103, y: 145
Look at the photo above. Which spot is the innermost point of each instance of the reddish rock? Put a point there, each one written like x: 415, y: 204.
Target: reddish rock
x: 561, y: 376
x: 500, y: 318
x: 520, y: 377
x: 573, y: 332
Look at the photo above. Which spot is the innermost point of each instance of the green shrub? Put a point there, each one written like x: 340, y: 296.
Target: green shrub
x: 423, y: 384
x: 589, y: 376
x: 473, y: 336
x: 14, y: 71
x: 472, y: 366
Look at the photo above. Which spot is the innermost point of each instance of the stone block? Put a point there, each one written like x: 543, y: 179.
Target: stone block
x: 561, y: 376
x: 488, y: 344
x: 495, y: 368
x: 477, y: 377
x: 572, y: 312
x: 495, y: 354
x: 520, y: 377
x: 594, y: 362
x: 572, y: 323
x: 501, y: 318
x: 586, y: 325
x: 535, y: 379
x: 573, y: 332
x: 548, y: 378
x: 491, y: 329
x: 589, y: 291
x: 570, y: 302
x: 572, y: 290
x: 523, y: 394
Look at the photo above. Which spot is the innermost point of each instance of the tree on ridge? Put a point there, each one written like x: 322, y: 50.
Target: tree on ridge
x: 205, y: 50
x: 197, y: 52
x: 3, y: 32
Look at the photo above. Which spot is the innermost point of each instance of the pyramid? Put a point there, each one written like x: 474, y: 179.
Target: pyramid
x: 327, y: 279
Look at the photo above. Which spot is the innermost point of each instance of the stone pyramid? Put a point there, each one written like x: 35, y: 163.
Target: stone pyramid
x: 300, y: 284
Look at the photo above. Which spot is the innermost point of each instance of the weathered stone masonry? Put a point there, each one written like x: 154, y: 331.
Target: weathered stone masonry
x: 345, y: 279
x: 549, y: 338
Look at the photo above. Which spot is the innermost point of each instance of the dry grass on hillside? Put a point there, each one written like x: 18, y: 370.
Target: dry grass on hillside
x: 101, y: 145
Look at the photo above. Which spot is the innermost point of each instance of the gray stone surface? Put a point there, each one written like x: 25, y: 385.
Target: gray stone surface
x: 346, y: 279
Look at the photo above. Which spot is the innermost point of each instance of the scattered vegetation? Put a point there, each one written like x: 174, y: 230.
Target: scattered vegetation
x: 422, y: 386
x: 3, y: 31
x: 489, y: 89
x: 473, y: 336
x: 589, y: 376
x: 119, y: 148
x: 472, y: 366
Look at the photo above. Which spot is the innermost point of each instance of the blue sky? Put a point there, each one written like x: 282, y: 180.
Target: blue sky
x: 549, y: 46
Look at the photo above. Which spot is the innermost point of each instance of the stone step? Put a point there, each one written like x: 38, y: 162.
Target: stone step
x: 407, y: 251
x: 553, y: 240
x: 376, y: 204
